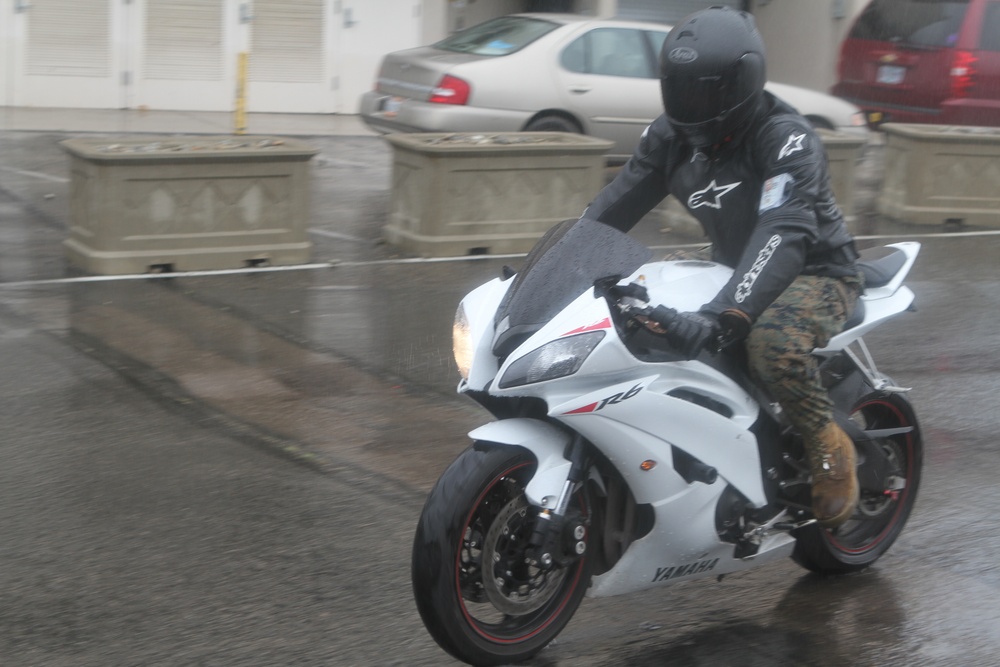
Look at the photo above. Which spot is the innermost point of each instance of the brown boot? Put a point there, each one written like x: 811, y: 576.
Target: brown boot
x: 834, y: 475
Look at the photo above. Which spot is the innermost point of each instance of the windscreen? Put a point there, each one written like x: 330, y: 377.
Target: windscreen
x: 498, y: 37
x: 921, y: 23
x: 567, y: 261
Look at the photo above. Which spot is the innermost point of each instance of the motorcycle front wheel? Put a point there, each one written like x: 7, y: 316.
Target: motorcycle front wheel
x: 480, y: 597
x: 880, y: 516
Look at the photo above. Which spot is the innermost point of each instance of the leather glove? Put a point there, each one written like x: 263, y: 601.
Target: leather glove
x: 689, y: 332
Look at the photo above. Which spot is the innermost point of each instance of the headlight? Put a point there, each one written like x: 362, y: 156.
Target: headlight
x: 858, y: 119
x: 553, y: 360
x: 461, y: 342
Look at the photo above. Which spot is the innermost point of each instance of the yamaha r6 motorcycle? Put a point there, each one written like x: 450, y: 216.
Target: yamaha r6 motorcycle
x: 614, y: 465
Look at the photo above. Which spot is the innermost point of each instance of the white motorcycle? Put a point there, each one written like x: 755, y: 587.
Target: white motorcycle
x: 615, y: 465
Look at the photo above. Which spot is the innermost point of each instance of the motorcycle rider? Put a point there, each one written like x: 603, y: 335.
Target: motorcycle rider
x: 753, y: 172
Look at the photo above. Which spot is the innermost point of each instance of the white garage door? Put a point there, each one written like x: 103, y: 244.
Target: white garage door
x: 64, y: 49
x: 186, y: 57
x: 667, y: 11
x: 291, y: 68
x: 305, y: 56
x: 319, y: 56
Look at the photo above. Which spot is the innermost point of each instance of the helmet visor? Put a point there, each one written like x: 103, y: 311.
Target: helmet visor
x: 695, y: 99
x: 690, y: 98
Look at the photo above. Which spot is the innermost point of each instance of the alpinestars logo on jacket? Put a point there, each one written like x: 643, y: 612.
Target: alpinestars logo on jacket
x: 711, y: 196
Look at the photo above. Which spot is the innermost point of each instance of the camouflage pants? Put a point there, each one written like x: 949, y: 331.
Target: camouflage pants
x: 811, y: 311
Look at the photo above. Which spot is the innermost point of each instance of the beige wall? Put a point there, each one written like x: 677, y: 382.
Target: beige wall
x: 803, y: 38
x: 464, y: 13
x: 601, y: 8
x: 443, y: 17
x: 433, y: 15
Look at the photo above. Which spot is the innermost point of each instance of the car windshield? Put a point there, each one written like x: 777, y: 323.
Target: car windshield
x: 921, y: 23
x: 498, y: 37
x: 567, y: 261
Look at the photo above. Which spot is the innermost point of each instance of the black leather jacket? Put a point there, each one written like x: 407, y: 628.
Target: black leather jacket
x: 764, y: 201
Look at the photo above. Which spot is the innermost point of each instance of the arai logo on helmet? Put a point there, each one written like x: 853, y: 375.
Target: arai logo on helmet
x: 682, y: 54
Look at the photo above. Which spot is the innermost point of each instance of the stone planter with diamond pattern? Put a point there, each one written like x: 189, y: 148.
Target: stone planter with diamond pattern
x: 941, y: 174
x: 187, y: 203
x: 470, y: 194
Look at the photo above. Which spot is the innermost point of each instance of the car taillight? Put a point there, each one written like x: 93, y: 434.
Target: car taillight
x: 962, y: 73
x: 450, y: 90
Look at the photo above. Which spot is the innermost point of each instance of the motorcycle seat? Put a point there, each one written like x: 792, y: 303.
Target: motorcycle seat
x: 878, y: 266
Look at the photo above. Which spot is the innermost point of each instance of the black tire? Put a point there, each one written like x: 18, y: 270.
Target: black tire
x: 880, y: 518
x: 552, y: 123
x: 480, y: 500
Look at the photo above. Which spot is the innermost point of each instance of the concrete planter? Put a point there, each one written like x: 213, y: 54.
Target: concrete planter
x: 461, y: 194
x: 843, y: 151
x: 187, y: 203
x: 937, y: 174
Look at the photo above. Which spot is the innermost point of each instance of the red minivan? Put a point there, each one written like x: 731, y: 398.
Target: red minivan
x: 924, y: 61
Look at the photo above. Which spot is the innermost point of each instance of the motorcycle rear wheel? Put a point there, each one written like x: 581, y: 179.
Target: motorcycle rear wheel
x: 879, y: 518
x: 478, y: 597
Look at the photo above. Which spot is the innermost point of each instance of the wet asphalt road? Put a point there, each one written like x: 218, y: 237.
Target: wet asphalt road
x: 228, y: 470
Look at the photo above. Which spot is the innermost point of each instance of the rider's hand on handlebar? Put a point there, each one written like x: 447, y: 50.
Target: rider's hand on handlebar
x: 693, y: 332
x: 689, y: 332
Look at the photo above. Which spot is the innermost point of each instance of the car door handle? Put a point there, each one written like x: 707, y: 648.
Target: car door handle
x: 579, y: 90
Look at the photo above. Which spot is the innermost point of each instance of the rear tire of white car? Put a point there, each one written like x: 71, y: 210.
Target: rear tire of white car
x: 552, y: 123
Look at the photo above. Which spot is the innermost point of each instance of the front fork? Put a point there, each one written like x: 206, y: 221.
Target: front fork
x: 558, y: 538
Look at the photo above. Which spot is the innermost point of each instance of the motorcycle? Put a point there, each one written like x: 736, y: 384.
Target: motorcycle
x: 616, y: 465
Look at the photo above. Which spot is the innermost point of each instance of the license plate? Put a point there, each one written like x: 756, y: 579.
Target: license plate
x: 891, y: 74
x: 390, y: 106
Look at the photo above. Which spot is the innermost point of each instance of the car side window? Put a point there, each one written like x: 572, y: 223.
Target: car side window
x: 990, y: 36
x: 656, y: 39
x: 498, y: 37
x: 574, y: 56
x: 610, y: 52
x: 930, y: 23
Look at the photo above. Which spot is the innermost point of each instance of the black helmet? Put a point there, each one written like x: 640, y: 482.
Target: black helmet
x: 712, y: 74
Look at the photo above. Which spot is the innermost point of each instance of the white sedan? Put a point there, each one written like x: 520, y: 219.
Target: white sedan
x: 548, y: 72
